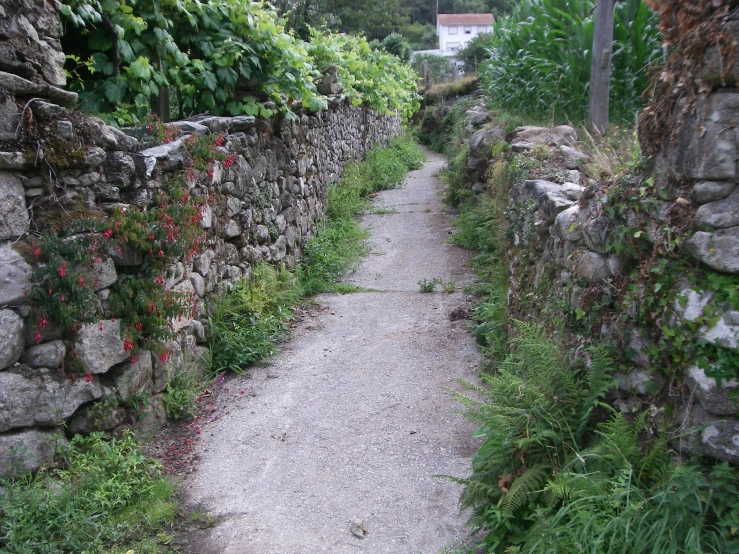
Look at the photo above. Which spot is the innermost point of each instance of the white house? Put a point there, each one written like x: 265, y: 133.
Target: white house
x: 455, y: 30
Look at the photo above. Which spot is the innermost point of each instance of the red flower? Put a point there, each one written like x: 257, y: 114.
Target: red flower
x: 164, y: 356
x: 37, y: 252
x: 37, y: 337
x: 138, y: 326
x: 88, y: 377
x: 62, y: 270
x: 127, y: 344
x: 134, y: 359
x: 108, y: 233
x: 42, y: 322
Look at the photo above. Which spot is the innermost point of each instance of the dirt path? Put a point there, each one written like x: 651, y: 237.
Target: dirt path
x: 351, y: 421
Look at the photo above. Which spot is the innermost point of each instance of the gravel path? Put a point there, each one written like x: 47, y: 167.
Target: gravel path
x: 352, y: 421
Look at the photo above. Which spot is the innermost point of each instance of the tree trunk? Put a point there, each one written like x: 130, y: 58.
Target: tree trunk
x: 600, y: 68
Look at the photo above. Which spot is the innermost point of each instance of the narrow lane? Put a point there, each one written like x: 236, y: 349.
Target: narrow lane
x: 352, y: 421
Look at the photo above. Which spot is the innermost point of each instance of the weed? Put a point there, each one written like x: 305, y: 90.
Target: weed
x: 427, y: 286
x: 449, y: 285
x: 107, y: 497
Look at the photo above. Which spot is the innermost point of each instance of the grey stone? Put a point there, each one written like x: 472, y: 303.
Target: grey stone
x: 574, y: 153
x: 709, y: 191
x: 103, y: 274
x: 120, y: 169
x: 45, y: 110
x: 23, y: 87
x: 152, y: 419
x: 15, y: 160
x: 47, y: 354
x: 279, y: 249
x: 207, y: 220
x: 201, y: 264
x: 233, y: 206
x: 165, y: 157
x: 717, y: 437
x: 592, y: 267
x: 11, y: 338
x: 28, y: 450
x: 566, y: 225
x: 198, y: 283
x: 188, y: 127
x: 131, y: 379
x: 99, y: 345
x: 261, y: 234
x: 711, y: 153
x: 15, y: 276
x: 477, y: 118
x: 719, y: 250
x: 719, y: 213
x: 199, y: 332
x: 124, y: 255
x: 89, y: 179
x: 38, y: 398
x: 552, y: 204
x: 65, y: 130
x: 34, y: 193
x: 163, y: 372
x: 482, y: 141
x: 97, y: 417
x: 561, y: 135
x: 595, y: 232
x: 714, y: 399
x: 232, y: 229
x: 9, y: 117
x: 572, y: 191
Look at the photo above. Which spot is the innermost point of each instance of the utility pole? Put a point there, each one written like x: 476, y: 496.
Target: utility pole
x: 600, y: 68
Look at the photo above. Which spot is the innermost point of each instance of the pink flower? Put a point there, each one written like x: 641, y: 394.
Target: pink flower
x: 164, y: 356
x: 37, y: 337
x: 127, y: 345
x: 62, y: 270
x: 88, y: 377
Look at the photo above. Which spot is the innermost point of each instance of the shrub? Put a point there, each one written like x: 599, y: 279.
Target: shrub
x: 439, y: 67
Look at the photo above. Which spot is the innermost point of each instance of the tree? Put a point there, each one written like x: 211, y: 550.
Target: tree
x: 396, y: 45
x: 475, y: 52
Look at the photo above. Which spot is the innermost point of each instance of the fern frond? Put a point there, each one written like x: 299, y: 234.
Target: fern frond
x: 529, y: 482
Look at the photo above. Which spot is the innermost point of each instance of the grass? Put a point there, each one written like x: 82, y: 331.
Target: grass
x: 106, y: 497
x: 253, y: 317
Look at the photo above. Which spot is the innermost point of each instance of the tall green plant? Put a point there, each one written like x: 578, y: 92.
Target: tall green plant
x: 540, y: 58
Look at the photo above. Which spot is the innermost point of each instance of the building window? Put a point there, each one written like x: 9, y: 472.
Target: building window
x: 467, y: 29
x: 452, y: 46
x: 452, y: 30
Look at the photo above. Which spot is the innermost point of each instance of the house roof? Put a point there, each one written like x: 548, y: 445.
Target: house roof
x: 466, y: 19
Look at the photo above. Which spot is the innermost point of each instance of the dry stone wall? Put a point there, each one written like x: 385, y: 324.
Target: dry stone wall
x: 262, y: 205
x: 576, y: 263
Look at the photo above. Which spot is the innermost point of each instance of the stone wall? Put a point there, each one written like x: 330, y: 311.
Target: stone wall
x: 583, y: 257
x: 263, y: 206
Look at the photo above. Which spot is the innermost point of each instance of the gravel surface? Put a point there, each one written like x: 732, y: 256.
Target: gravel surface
x: 333, y: 446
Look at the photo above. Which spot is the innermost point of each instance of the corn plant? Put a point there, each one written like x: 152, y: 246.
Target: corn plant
x: 540, y: 59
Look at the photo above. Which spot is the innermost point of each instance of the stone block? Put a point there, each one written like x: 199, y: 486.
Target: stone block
x: 11, y: 338
x: 198, y: 284
x: 28, y: 450
x: 566, y: 225
x: 719, y: 250
x: 719, y: 213
x: 165, y: 157
x: 714, y: 399
x: 48, y: 354
x: 103, y: 274
x: 96, y: 417
x: 99, y: 345
x: 593, y: 267
x: 714, y: 436
x: 709, y: 191
x: 133, y: 378
x: 152, y: 419
x: 202, y: 262
x: 9, y: 117
x: 561, y: 135
x: 36, y: 397
x: 13, y: 214
x: 120, y: 169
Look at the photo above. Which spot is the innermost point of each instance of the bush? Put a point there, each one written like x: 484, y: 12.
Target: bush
x: 540, y: 59
x: 475, y: 52
x: 396, y: 45
x: 420, y: 36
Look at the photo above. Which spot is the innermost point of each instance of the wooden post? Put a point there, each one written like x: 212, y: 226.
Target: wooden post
x: 455, y: 73
x: 427, y: 81
x: 600, y: 68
